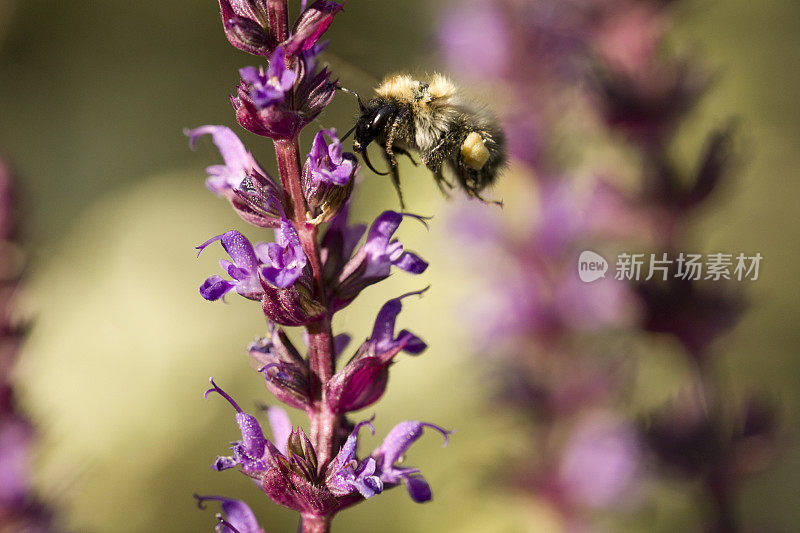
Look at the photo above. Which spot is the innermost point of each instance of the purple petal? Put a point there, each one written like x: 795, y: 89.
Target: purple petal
x: 214, y: 288
x: 281, y: 277
x: 418, y: 488
x: 277, y: 64
x: 411, y: 343
x: 311, y: 24
x: 318, y: 148
x: 383, y: 330
x: 251, y: 75
x: 410, y: 262
x: 281, y: 427
x: 340, y: 342
x: 401, y: 437
x: 236, y: 512
x: 233, y: 152
x: 253, y: 438
x: 381, y: 231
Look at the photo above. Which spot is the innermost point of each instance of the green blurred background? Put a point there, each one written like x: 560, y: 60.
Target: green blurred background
x: 93, y: 99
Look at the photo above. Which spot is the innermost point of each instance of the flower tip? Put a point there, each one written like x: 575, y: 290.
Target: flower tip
x: 414, y: 293
x: 200, y: 501
x: 222, y: 393
x: 445, y: 432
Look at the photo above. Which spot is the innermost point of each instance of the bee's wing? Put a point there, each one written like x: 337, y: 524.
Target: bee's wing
x: 350, y: 75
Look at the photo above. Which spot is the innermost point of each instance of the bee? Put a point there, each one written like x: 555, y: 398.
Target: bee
x: 432, y: 117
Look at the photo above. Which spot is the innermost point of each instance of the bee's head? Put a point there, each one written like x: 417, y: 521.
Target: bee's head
x: 373, y: 120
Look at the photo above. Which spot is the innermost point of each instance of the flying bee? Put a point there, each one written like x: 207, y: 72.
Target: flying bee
x: 433, y: 118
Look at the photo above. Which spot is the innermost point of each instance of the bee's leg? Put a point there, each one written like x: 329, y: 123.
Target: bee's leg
x: 403, y: 151
x: 441, y: 181
x: 395, y: 176
x: 389, y: 153
x: 475, y: 194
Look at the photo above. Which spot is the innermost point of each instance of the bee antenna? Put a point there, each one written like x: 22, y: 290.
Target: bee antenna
x: 346, y: 135
x: 361, y: 106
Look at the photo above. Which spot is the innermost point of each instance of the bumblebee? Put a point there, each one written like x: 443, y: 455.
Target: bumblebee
x: 433, y: 118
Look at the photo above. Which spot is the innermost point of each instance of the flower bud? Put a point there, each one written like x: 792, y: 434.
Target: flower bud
x: 286, y: 372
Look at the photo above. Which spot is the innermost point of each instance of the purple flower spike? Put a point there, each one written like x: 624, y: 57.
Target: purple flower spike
x: 243, y: 270
x: 397, y: 441
x: 238, y: 516
x: 269, y: 89
x: 346, y: 475
x: 363, y: 380
x: 286, y: 257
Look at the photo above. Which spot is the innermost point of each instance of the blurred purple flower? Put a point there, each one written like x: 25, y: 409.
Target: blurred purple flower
x: 476, y: 40
x: 15, y: 442
x: 601, y: 463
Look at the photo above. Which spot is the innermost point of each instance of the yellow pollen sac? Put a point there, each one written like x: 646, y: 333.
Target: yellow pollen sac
x: 474, y: 152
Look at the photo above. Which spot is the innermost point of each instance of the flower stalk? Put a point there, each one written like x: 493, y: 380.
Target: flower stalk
x: 302, y: 279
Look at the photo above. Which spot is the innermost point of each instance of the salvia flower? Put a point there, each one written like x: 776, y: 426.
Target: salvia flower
x: 236, y: 515
x: 243, y: 269
x: 278, y: 264
x: 328, y: 176
x: 391, y: 451
x: 347, y: 474
x: 373, y: 261
x: 261, y: 102
x: 286, y: 257
x: 363, y: 380
x: 269, y: 88
x: 289, y: 474
x: 252, y: 192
